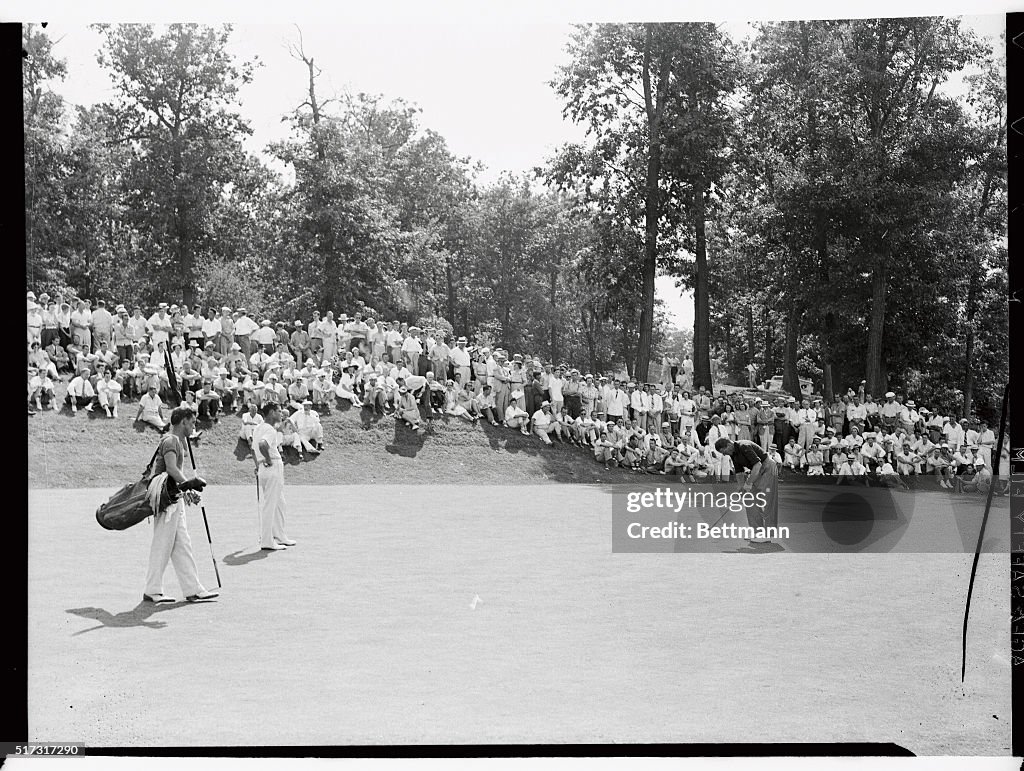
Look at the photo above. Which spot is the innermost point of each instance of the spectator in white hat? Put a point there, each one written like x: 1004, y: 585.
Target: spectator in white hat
x: 407, y: 408
x: 307, y: 425
x: 346, y: 388
x: 543, y: 425
x: 980, y: 481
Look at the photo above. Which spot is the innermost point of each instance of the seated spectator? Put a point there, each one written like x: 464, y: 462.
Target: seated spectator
x: 250, y: 419
x: 288, y: 437
x: 815, y: 459
x: 853, y: 471
x: 108, y: 392
x: 793, y: 453
x: 604, y: 450
x: 347, y: 387
x: 40, y: 389
x: 151, y: 409
x: 939, y: 463
x: 407, y: 408
x: 542, y: 423
x: 209, y: 402
x: 56, y: 353
x: 486, y: 404
x: 307, y: 425
x: 80, y: 391
x: 889, y: 478
x: 979, y: 482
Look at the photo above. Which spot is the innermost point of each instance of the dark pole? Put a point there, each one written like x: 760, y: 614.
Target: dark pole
x: 202, y: 508
x: 984, y: 521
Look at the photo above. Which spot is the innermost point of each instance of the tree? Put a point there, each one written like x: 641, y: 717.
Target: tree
x: 175, y: 107
x: 44, y: 117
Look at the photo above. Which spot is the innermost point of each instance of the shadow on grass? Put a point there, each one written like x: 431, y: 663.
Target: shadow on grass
x: 237, y: 558
x: 406, y: 442
x: 137, y: 616
x: 242, y: 450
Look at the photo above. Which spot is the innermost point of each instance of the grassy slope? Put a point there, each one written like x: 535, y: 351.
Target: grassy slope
x: 91, y: 450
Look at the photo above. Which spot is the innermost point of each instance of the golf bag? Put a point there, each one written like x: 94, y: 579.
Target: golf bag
x: 131, y: 504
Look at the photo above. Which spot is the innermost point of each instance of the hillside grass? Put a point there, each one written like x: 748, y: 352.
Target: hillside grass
x: 68, y: 450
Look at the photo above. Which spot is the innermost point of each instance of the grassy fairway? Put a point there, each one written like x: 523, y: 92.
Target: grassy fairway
x: 364, y: 632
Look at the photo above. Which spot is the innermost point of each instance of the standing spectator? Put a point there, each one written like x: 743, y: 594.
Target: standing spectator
x: 807, y: 421
x: 244, y: 328
x: 411, y: 350
x: 393, y: 339
x: 317, y: 331
x: 50, y: 313
x: 375, y: 338
x: 687, y: 381
x: 210, y: 329
x: 81, y: 327
x: 357, y: 334
x: 226, y: 335
x: 64, y: 326
x: 35, y: 323
x: 439, y: 354
x: 300, y: 343
x: 459, y: 358
x: 752, y: 375
x: 160, y: 326
x: 122, y: 337
x: 263, y: 337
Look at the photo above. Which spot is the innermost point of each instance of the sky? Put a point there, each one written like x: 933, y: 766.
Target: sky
x: 480, y: 74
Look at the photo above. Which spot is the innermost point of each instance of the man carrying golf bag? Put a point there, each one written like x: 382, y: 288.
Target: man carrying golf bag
x: 171, y: 542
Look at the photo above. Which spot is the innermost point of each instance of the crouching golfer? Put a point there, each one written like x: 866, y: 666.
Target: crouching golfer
x: 171, y: 542
x: 762, y: 477
x: 270, y: 478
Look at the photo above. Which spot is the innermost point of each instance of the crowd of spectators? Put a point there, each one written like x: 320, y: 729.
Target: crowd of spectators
x: 225, y: 362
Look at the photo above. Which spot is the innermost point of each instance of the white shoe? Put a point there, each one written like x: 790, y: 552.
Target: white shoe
x: 39, y: 405
x: 74, y: 408
x: 107, y: 410
x: 89, y: 408
x: 115, y: 412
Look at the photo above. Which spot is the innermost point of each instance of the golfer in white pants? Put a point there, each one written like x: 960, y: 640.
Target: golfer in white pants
x: 171, y: 542
x: 270, y: 478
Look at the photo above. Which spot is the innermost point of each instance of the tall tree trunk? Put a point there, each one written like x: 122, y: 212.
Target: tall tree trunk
x: 450, y: 288
x: 588, y: 330
x: 972, y: 308
x: 701, y: 336
x: 769, y: 345
x: 790, y: 376
x: 750, y: 334
x: 652, y: 213
x: 876, y: 328
x: 728, y: 339
x: 554, y: 317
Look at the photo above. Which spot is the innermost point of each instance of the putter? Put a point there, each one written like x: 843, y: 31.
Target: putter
x: 202, y: 508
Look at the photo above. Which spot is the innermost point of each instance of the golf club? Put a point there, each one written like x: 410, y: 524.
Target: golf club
x: 202, y: 508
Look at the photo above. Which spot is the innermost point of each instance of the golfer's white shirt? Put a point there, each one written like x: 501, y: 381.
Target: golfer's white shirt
x: 265, y: 431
